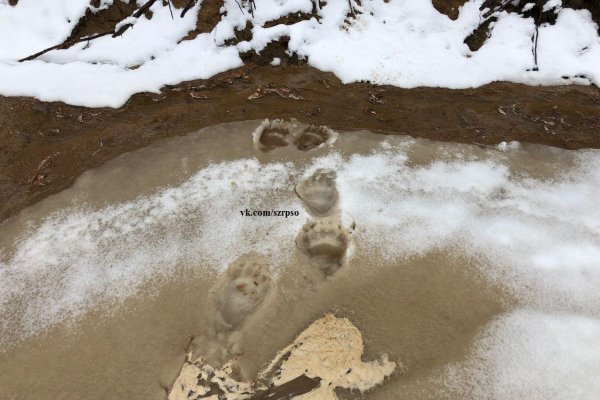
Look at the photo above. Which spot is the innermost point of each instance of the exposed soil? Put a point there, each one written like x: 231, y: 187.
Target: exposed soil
x: 448, y: 7
x: 103, y: 20
x: 45, y: 146
x: 208, y: 17
x: 478, y: 37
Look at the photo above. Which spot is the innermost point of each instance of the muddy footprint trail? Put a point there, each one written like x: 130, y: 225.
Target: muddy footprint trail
x: 235, y: 296
x: 242, y: 289
x: 393, y: 249
x: 323, y: 239
x: 326, y: 355
x: 272, y: 134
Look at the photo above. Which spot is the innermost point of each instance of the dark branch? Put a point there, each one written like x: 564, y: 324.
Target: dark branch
x: 143, y: 8
x: 170, y: 9
x: 136, y: 14
x: 296, y: 387
x: 65, y: 45
x: 187, y: 8
x: 70, y: 43
x: 240, y: 6
x: 252, y: 7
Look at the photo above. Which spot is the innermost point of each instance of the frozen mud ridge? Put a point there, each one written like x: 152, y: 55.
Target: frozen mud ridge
x: 329, y: 350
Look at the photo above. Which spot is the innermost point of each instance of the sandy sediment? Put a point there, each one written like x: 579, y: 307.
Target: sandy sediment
x: 329, y: 351
x: 198, y: 380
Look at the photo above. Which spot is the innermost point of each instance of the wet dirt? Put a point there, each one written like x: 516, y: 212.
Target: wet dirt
x: 422, y: 311
x: 208, y: 17
x: 45, y: 146
x: 103, y: 20
x: 449, y: 7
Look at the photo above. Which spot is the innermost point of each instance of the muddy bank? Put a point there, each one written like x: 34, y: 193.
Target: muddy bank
x: 45, y: 146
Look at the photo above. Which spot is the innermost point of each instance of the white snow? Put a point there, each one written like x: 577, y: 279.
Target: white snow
x: 405, y: 43
x: 534, y: 356
x: 528, y: 7
x: 106, y: 254
x: 100, y: 73
x: 127, y: 21
x: 36, y: 24
x: 552, y: 4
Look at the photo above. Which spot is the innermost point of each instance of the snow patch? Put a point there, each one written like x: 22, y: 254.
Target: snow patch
x: 535, y: 356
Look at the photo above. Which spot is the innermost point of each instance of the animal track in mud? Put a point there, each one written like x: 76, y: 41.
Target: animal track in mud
x: 237, y: 294
x: 311, y: 137
x: 281, y: 133
x: 241, y: 290
x: 318, y: 192
x: 324, y: 242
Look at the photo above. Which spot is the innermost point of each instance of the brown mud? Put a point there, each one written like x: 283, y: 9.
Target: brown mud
x: 423, y: 311
x: 45, y: 146
x: 449, y: 7
x: 102, y: 20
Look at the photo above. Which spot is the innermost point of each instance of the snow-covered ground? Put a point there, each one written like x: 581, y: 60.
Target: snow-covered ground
x: 405, y: 43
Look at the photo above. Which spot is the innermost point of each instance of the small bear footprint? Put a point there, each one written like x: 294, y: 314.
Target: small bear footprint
x: 312, y: 136
x: 241, y: 290
x: 281, y: 133
x: 318, y: 192
x: 324, y: 242
x: 273, y: 134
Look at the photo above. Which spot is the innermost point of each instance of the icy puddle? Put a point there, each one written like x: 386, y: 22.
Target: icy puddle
x: 389, y: 268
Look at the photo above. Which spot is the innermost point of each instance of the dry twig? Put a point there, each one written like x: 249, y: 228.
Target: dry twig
x: 282, y: 91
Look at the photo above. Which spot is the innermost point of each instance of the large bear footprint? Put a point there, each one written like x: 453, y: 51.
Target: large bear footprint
x: 324, y: 242
x: 318, y: 192
x: 281, y: 133
x: 241, y: 290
